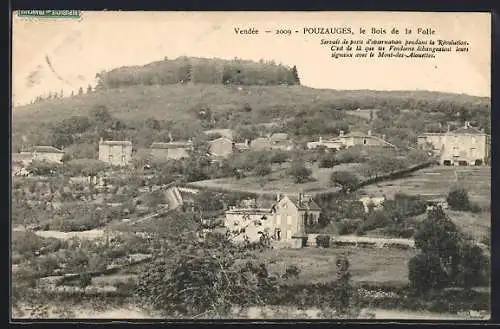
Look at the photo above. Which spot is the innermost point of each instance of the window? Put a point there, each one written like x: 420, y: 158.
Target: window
x: 364, y: 141
x: 278, y: 220
x: 288, y: 220
x: 110, y: 158
x: 123, y: 158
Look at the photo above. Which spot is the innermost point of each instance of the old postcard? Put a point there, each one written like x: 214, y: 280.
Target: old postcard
x: 251, y: 165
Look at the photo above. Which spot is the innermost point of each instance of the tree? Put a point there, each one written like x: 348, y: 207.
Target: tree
x: 425, y: 273
x: 458, y: 199
x: 473, y: 262
x: 263, y: 169
x: 100, y: 114
x: 299, y: 173
x: 295, y: 74
x: 346, y: 179
x: 80, y: 91
x: 344, y: 291
x: 89, y: 89
x: 203, y: 278
x: 438, y: 239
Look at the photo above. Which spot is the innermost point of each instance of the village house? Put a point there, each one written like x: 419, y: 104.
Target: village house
x: 352, y: 139
x: 286, y: 221
x: 170, y: 150
x: 277, y: 141
x: 221, y: 147
x: 463, y: 146
x: 38, y: 153
x: 116, y: 153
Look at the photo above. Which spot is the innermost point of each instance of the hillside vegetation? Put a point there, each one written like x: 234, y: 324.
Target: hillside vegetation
x: 241, y: 94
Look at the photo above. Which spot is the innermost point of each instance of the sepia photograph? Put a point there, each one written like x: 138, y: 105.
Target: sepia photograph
x: 250, y: 165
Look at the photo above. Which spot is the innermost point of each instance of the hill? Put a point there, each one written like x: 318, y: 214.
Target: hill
x: 240, y: 93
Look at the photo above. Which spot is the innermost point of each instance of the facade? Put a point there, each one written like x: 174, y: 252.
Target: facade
x: 42, y: 153
x: 464, y: 146
x: 285, y: 222
x: 116, y: 153
x: 351, y: 139
x: 221, y: 147
x: 171, y: 150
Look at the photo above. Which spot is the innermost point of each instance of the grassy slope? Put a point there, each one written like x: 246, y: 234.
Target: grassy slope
x: 278, y: 181
x: 436, y: 182
x: 172, y: 101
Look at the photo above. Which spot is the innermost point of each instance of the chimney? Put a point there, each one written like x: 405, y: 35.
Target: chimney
x: 369, y: 132
x: 341, y: 133
x: 102, y: 140
x: 466, y: 124
x: 320, y: 139
x: 170, y: 137
x: 300, y: 199
x: 448, y: 128
x: 277, y: 197
x: 383, y: 137
x: 247, y: 143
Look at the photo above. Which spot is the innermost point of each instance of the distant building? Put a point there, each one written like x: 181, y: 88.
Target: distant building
x: 228, y: 133
x: 221, y: 147
x: 352, y: 139
x: 285, y: 222
x: 464, y: 146
x: 171, y: 150
x: 41, y: 153
x: 277, y: 141
x: 116, y: 153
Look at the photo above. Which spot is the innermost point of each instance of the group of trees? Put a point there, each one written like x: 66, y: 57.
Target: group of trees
x: 200, y: 70
x: 58, y: 95
x: 447, y: 258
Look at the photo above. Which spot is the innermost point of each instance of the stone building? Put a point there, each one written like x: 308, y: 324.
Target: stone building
x: 221, y: 147
x: 351, y: 139
x: 116, y: 153
x: 171, y: 150
x: 286, y: 221
x: 463, y: 146
x: 277, y: 141
x: 41, y: 153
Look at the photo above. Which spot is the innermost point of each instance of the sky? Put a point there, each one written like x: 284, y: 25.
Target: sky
x: 78, y: 49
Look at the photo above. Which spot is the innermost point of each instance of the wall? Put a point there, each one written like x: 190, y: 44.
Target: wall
x: 117, y: 152
x: 171, y: 153
x: 51, y: 157
x: 235, y: 220
x: 221, y: 147
x: 463, y: 145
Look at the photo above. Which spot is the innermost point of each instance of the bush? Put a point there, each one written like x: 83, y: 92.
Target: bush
x: 327, y: 160
x: 348, y: 226
x: 425, y: 273
x: 263, y: 169
x: 377, y: 219
x: 348, y: 180
x: 323, y: 241
x: 475, y: 208
x: 300, y: 173
x: 458, y: 199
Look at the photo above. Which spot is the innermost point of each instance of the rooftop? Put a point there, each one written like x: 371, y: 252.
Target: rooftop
x: 306, y: 202
x: 125, y: 143
x: 44, y: 149
x: 171, y: 145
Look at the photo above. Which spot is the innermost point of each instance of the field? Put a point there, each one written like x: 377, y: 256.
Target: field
x: 278, y: 181
x: 367, y: 265
x: 435, y: 182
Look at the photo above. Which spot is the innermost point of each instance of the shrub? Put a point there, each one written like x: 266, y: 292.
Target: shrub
x: 458, y: 199
x: 300, y: 173
x: 348, y: 226
x: 323, y: 241
x: 377, y: 219
x: 475, y: 208
x: 348, y: 180
x: 327, y: 160
x: 263, y: 169
x: 425, y: 273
